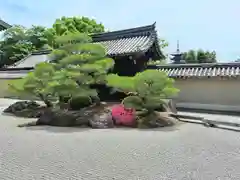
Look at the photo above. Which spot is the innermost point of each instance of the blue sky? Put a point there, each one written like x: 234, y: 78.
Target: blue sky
x: 206, y: 24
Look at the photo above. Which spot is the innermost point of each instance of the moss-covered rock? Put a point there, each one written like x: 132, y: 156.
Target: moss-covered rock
x: 79, y: 102
x: 93, y: 116
x: 21, y: 105
x: 30, y: 113
x: 156, y: 119
x: 102, y: 119
x: 28, y: 109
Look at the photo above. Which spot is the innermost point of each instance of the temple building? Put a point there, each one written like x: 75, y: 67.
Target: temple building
x: 4, y: 25
x: 131, y: 48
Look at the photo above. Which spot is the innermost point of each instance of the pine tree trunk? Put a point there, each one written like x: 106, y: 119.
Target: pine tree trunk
x: 47, y: 102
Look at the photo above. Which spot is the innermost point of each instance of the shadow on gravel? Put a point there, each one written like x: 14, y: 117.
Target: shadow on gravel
x: 175, y: 127
x: 54, y: 129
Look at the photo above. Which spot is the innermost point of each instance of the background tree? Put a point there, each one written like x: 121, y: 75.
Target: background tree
x: 15, y: 45
x: 65, y: 25
x: 199, y: 56
x: 37, y: 35
x: 237, y: 60
x: 211, y: 56
x: 19, y: 41
x: 163, y: 44
x: 190, y: 57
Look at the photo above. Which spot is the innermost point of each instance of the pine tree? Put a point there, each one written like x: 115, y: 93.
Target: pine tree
x: 146, y: 91
x: 35, y: 84
x: 74, y: 67
x: 79, y: 64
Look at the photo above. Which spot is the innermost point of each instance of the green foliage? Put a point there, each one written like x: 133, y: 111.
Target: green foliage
x: 158, y: 62
x: 72, y: 25
x: 190, y: 57
x: 133, y: 102
x: 19, y: 41
x: 163, y: 43
x: 77, y: 65
x: 36, y: 83
x: 14, y: 45
x: 199, y: 56
x: 76, y: 25
x: 148, y: 88
x: 80, y: 61
x: 37, y: 36
x: 79, y: 102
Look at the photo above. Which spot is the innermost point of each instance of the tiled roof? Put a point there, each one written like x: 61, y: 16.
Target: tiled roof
x: 206, y: 70
x: 122, y: 42
x: 4, y: 25
x: 127, y: 45
x: 16, y: 74
x: 128, y: 41
x: 31, y: 60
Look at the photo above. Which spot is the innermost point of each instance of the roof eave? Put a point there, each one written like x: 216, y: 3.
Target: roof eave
x: 200, y: 71
x: 199, y: 65
x: 16, y: 69
x: 4, y: 25
x: 138, y: 31
x: 155, y: 43
x: 160, y: 55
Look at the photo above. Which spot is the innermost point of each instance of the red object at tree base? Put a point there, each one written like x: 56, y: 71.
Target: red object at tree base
x: 123, y: 116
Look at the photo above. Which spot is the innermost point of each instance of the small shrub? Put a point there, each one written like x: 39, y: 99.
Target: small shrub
x: 147, y: 91
x: 78, y: 102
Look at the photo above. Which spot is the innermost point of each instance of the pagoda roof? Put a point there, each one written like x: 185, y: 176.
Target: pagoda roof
x: 117, y: 43
x: 4, y: 25
x: 204, y: 70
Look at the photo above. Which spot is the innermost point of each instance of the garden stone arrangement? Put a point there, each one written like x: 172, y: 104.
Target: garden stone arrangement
x: 66, y: 87
x: 99, y: 116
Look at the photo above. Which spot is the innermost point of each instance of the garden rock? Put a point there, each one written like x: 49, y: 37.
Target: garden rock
x: 63, y: 118
x: 102, y: 119
x: 20, y: 105
x: 30, y: 113
x: 168, y: 106
x: 58, y: 117
x: 91, y: 116
x: 79, y: 102
x: 157, y: 119
x: 28, y: 109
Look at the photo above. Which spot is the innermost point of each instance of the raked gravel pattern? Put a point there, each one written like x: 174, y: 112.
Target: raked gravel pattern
x: 186, y: 152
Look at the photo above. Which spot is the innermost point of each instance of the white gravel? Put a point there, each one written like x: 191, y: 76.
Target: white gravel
x: 186, y: 152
